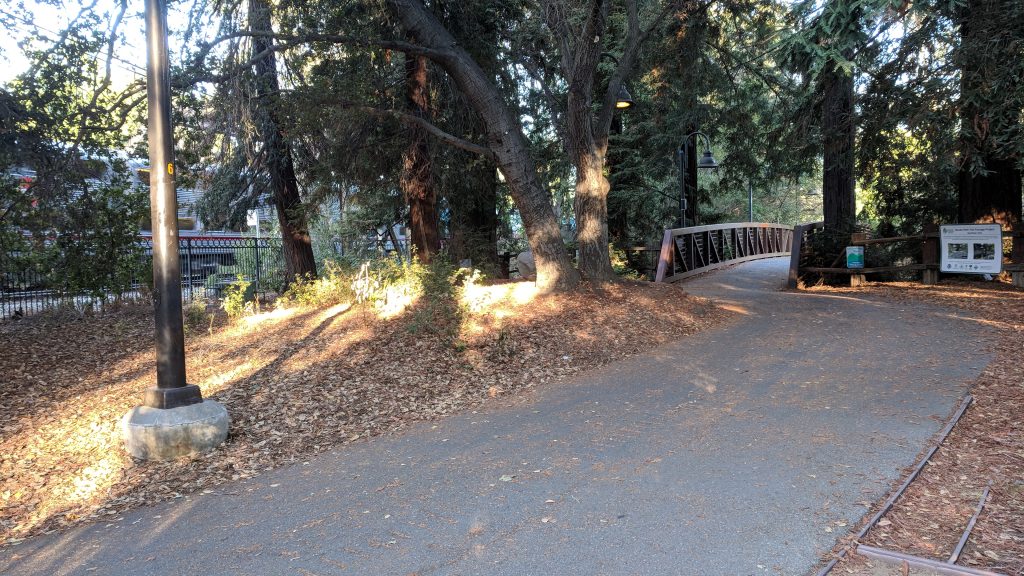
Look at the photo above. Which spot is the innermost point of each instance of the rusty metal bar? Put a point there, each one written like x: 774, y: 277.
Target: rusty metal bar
x: 964, y: 404
x: 918, y: 562
x: 970, y: 526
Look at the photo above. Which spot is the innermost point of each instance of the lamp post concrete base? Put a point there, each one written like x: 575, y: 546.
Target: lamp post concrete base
x: 165, y: 434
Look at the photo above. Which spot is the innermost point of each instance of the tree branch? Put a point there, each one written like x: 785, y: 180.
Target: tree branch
x: 447, y: 138
x: 284, y: 41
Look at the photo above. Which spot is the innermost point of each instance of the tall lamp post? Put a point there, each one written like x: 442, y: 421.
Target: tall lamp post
x: 174, y: 420
x: 705, y: 162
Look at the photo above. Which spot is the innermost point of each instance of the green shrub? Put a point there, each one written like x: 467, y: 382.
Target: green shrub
x: 196, y: 316
x: 239, y: 298
x: 333, y: 286
x: 620, y: 264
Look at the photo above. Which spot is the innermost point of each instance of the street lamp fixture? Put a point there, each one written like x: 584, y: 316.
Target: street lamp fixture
x: 623, y: 99
x: 705, y: 162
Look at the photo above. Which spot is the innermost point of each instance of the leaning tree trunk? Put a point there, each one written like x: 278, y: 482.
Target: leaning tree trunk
x: 417, y: 181
x: 505, y: 140
x: 987, y: 42
x: 277, y: 154
x: 838, y: 134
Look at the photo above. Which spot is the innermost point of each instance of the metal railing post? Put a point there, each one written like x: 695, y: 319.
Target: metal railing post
x: 188, y: 267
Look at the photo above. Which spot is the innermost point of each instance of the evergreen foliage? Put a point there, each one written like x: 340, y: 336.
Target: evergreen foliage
x: 937, y: 117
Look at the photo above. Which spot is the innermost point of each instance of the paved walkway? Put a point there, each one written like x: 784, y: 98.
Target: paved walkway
x: 749, y: 449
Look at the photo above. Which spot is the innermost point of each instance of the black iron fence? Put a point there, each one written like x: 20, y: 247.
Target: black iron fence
x: 208, y: 266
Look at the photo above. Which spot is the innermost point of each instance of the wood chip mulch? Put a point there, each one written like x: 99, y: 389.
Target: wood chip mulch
x: 295, y: 382
x: 987, y: 445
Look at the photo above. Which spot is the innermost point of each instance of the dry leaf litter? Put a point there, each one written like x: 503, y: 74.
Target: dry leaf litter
x: 295, y: 382
x: 987, y: 444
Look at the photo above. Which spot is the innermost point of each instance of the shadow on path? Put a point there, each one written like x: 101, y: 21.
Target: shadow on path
x: 748, y: 449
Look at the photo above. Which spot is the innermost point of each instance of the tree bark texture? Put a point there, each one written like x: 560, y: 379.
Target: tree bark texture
x: 993, y: 197
x: 838, y: 142
x: 590, y: 204
x: 591, y: 208
x: 588, y: 149
x: 505, y: 140
x: 988, y: 38
x: 277, y: 155
x: 417, y: 181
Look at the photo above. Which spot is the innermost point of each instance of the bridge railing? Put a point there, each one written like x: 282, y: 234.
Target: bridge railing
x: 686, y: 252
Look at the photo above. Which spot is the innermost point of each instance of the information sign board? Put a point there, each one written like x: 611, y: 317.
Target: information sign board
x: 971, y: 248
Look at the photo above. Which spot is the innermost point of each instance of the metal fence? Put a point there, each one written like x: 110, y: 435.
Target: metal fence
x: 686, y: 252
x: 208, y: 266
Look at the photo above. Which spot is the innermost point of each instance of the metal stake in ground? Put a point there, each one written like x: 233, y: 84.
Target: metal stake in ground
x: 174, y: 420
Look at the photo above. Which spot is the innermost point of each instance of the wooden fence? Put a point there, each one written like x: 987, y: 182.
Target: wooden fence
x: 927, y: 264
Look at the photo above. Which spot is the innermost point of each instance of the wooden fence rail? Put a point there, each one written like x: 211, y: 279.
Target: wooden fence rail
x: 928, y: 241
x: 686, y: 252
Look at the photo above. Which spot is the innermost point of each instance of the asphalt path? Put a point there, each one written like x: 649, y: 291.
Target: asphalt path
x: 747, y: 449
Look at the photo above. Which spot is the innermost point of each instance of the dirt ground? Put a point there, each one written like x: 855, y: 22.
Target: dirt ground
x: 295, y: 382
x: 986, y: 446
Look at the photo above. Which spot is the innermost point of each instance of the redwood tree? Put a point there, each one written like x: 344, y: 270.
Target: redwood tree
x: 837, y: 128
x: 275, y: 158
x: 990, y: 55
x: 417, y: 181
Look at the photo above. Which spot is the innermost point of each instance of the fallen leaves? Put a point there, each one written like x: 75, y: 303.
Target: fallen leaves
x: 294, y: 384
x: 987, y: 443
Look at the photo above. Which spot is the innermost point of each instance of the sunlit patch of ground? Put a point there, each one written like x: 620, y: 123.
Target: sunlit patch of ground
x: 295, y: 382
x: 987, y: 444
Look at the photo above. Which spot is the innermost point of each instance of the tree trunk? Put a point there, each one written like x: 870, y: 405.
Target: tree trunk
x: 474, y: 216
x: 277, y: 154
x: 591, y: 202
x: 992, y: 195
x: 838, y: 139
x: 591, y: 208
x: 505, y: 139
x: 588, y: 150
x: 417, y: 181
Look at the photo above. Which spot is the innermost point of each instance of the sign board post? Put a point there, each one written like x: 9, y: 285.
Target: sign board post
x: 971, y: 248
x: 854, y: 256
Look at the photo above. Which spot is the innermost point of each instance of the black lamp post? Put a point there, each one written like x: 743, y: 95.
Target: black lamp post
x: 705, y: 162
x: 170, y: 391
